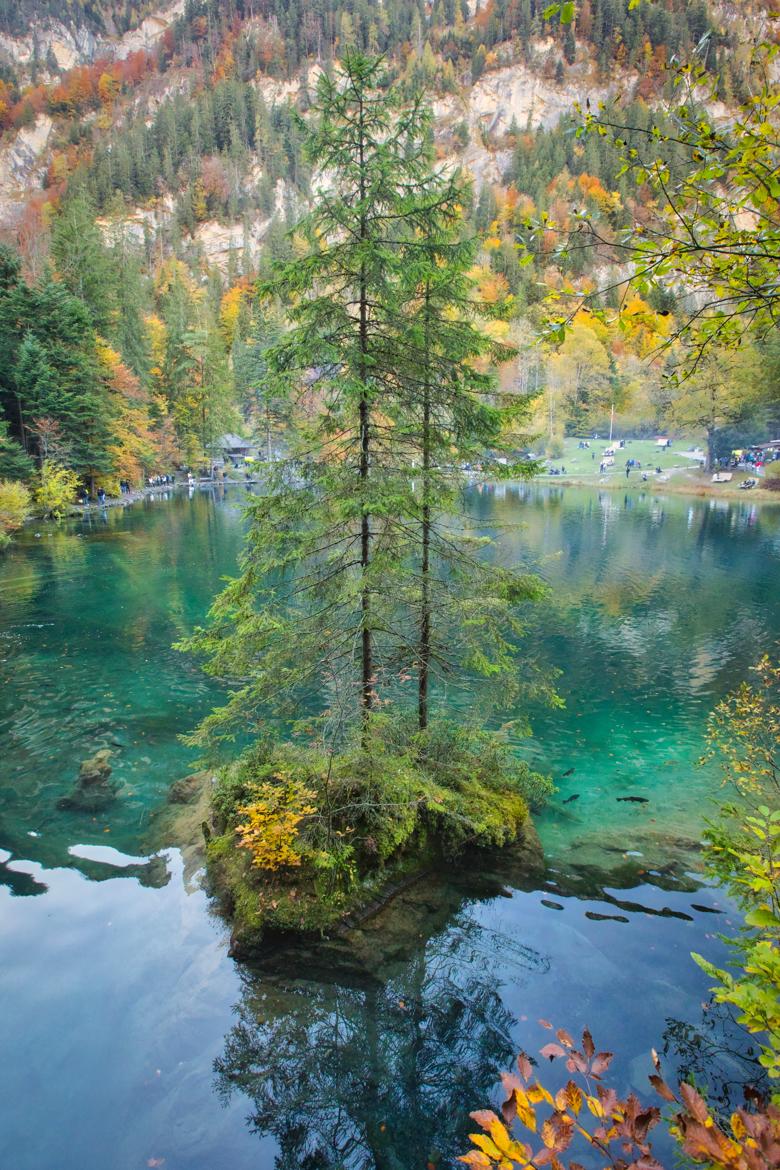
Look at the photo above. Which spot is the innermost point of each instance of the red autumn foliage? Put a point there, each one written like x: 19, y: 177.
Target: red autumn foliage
x: 617, y: 1129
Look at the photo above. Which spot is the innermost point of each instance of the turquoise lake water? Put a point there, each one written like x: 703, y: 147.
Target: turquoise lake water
x: 130, y: 1039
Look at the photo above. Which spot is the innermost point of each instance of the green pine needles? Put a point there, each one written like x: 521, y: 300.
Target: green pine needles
x: 363, y: 596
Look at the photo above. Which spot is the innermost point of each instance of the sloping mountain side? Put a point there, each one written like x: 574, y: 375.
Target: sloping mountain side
x: 152, y: 167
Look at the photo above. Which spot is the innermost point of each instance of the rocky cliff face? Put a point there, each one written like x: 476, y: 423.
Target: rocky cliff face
x: 52, y: 44
x: 519, y: 95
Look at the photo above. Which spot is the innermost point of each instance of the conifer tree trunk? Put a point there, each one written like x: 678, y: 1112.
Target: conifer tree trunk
x: 425, y: 600
x: 366, y: 687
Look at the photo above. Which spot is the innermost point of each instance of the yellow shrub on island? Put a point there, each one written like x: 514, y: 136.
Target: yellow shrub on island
x: 270, y: 829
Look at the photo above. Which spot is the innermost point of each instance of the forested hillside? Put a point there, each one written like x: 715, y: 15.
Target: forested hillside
x: 145, y: 190
x: 117, y: 16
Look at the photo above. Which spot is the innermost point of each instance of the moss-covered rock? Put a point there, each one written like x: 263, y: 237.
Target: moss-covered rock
x: 94, y: 790
x: 301, y: 842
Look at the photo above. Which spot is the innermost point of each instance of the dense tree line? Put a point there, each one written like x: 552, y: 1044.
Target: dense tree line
x: 298, y: 29
x: 284, y: 34
x: 104, y: 370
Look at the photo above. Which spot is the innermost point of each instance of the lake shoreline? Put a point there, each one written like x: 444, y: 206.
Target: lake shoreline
x: 679, y: 486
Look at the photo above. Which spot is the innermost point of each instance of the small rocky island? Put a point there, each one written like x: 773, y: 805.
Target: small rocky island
x: 302, y: 844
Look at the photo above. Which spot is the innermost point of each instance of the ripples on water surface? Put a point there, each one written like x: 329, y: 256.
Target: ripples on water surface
x: 117, y: 994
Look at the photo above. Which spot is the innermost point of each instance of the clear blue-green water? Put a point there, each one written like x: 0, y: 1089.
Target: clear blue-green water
x: 130, y: 1039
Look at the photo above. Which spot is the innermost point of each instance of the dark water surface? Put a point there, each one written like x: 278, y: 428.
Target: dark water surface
x: 129, y: 1039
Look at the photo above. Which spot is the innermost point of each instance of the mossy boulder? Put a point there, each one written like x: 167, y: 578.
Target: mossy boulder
x: 94, y: 790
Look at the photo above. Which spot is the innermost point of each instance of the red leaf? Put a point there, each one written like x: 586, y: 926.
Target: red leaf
x: 483, y: 1117
x: 524, y: 1065
x: 552, y: 1050
x: 546, y: 1024
x: 662, y: 1089
x: 601, y: 1063
x: 565, y: 1038
x: 588, y: 1045
x: 701, y: 1143
x: 694, y: 1103
x: 608, y: 1099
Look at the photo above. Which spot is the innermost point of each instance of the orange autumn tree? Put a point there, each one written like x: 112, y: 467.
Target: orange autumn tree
x: 137, y: 448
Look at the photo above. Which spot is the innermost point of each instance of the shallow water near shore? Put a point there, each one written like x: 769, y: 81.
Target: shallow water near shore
x: 118, y: 996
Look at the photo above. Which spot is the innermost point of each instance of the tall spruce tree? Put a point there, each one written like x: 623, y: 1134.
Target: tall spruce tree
x: 464, y: 607
x: 330, y: 539
x: 83, y: 261
x: 386, y: 371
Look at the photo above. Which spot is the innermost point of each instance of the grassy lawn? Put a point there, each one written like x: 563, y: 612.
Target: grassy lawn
x: 585, y: 464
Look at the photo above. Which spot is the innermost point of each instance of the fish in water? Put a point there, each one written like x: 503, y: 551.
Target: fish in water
x: 568, y: 772
x: 634, y: 799
x: 569, y: 799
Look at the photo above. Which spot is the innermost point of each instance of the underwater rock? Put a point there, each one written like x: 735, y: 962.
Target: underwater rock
x: 94, y: 789
x: 187, y: 790
x: 179, y: 823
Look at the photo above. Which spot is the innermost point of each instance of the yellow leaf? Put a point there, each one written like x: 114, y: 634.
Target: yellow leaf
x: 574, y: 1097
x: 537, y: 1092
x: 595, y: 1106
x: 486, y: 1145
x: 548, y: 1135
x: 512, y: 1149
x: 525, y: 1111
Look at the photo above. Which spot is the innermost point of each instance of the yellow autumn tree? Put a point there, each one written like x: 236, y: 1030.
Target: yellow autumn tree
x: 157, y: 334
x: 229, y: 311
x: 579, y: 387
x: 135, y: 449
x: 108, y: 89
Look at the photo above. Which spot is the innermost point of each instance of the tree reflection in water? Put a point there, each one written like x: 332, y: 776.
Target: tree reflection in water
x: 718, y: 1055
x: 374, y: 1063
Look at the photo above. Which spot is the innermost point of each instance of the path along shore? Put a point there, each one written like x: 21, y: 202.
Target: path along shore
x: 678, y: 481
